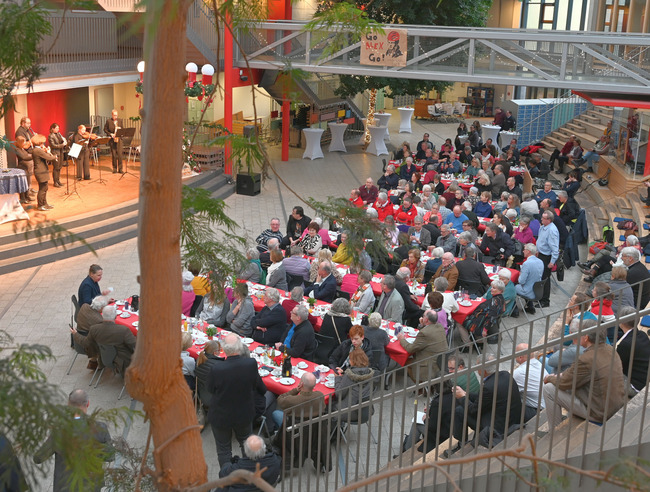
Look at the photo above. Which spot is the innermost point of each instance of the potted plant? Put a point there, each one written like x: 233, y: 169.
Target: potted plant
x: 211, y: 331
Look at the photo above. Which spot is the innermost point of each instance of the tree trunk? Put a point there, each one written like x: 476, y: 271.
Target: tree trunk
x: 155, y: 377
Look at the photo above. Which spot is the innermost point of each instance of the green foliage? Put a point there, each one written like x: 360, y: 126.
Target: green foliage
x: 32, y: 408
x: 122, y: 478
x: 248, y: 154
x: 22, y: 26
x: 208, y: 239
x: 352, y: 85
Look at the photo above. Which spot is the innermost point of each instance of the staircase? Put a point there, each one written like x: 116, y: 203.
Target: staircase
x: 99, y: 228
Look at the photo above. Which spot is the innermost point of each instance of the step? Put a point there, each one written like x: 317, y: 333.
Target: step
x: 589, y: 118
x: 575, y: 127
x: 595, y: 129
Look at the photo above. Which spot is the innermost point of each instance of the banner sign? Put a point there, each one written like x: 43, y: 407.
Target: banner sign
x: 386, y: 50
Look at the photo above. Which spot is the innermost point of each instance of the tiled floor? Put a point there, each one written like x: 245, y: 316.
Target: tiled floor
x: 35, y: 304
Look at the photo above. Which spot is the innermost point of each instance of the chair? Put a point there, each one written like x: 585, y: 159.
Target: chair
x: 435, y: 110
x: 475, y: 288
x: 74, y: 311
x: 107, y: 354
x: 538, y: 291
x: 197, y: 302
x: 301, y: 440
x: 341, y: 294
x: 362, y: 417
x: 324, y: 349
x: 79, y: 349
x: 294, y: 281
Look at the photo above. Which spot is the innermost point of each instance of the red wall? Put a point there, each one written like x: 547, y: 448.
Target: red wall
x: 45, y: 108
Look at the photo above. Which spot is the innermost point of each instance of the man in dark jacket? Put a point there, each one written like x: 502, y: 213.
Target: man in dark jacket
x: 637, y: 275
x: 296, y: 225
x: 633, y: 348
x: 496, y: 244
x: 412, y: 311
x: 270, y: 323
x: 324, y: 288
x: 497, y: 386
x: 233, y: 385
x: 255, y: 453
x: 298, y: 340
x: 471, y: 273
x: 389, y: 180
x: 569, y: 208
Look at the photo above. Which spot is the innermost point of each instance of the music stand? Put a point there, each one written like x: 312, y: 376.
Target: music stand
x: 96, y: 143
x: 74, y: 151
x: 128, y: 134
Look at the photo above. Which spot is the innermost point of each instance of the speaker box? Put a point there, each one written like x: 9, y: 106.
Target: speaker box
x: 250, y: 185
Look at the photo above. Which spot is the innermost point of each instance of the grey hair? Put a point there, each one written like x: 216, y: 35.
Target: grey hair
x: 326, y: 266
x: 372, y: 213
x: 390, y: 167
x: 440, y: 284
x: 374, y: 320
x: 297, y: 294
x: 78, y: 398
x: 426, y: 187
x: 296, y: 250
x: 272, y: 294
x: 302, y: 312
x: 631, y: 252
x: 365, y: 275
x: 431, y: 316
x: 632, y: 240
x: 511, y: 212
x: 498, y: 284
x: 341, y: 306
x: 473, y: 189
x: 446, y: 227
x: 470, y: 250
x: 527, y: 196
x: 624, y: 311
x: 99, y: 303
x: 505, y: 195
x: 437, y: 252
x: 549, y: 215
x: 467, y: 205
x: 525, y: 219
x: 389, y: 281
x: 273, y: 243
x: 465, y: 236
x: 254, y: 447
x: 403, y: 273
x: 531, y: 247
x: 232, y: 345
x: 382, y: 196
x: 488, y: 360
x: 109, y: 313
x: 562, y: 194
x: 252, y: 254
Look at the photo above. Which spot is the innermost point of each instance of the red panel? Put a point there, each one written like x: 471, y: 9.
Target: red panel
x: 45, y: 108
x: 613, y: 101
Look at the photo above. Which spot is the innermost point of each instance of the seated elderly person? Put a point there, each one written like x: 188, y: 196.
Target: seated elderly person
x: 363, y: 300
x: 296, y: 297
x: 496, y: 245
x: 633, y: 347
x: 296, y: 265
x: 449, y: 304
x: 509, y: 294
x: 484, y: 208
x: 436, y: 259
x: 267, y: 234
x: 241, y: 311
x: 414, y: 265
x: 298, y: 339
x: 213, y: 309
x: 324, y: 288
x: 456, y: 219
x: 430, y: 341
x: 253, y: 270
x: 339, y: 359
x: 324, y: 255
x: 484, y: 321
x: 188, y: 296
x: 265, y: 256
x: 89, y: 315
x: 378, y: 341
x: 108, y: 333
x: 620, y: 289
x: 471, y: 273
x: 389, y: 180
x: 447, y: 240
x: 563, y: 356
x: 311, y: 243
x: 277, y: 275
x: 391, y: 304
x: 448, y: 270
x: 255, y: 454
x: 419, y: 237
x: 301, y: 402
x: 343, y: 253
x: 336, y: 322
x: 270, y: 323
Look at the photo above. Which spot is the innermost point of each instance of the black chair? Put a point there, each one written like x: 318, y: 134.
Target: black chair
x: 74, y: 311
x: 294, y: 281
x: 341, y: 294
x: 195, y: 305
x: 298, y: 441
x: 107, y: 354
x: 79, y: 349
x: 538, y: 291
x: 325, y: 347
x: 475, y: 288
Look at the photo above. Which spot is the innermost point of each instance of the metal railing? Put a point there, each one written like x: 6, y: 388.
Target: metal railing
x: 202, y: 32
x: 344, y: 444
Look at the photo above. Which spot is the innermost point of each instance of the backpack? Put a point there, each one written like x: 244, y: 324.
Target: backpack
x: 608, y: 234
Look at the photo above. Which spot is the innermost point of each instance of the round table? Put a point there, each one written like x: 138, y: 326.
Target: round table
x: 405, y: 115
x: 491, y: 131
x: 377, y: 145
x: 383, y: 119
x: 12, y: 182
x: 506, y: 136
x: 312, y: 149
x: 338, y: 130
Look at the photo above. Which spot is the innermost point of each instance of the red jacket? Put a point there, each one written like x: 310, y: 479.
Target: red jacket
x: 428, y: 177
x: 383, y: 211
x: 357, y: 202
x: 406, y: 216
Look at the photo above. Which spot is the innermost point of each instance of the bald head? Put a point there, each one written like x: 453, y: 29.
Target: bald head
x: 308, y: 381
x: 254, y: 447
x: 522, y: 347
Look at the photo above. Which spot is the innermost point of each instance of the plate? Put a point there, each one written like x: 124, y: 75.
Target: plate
x: 264, y: 373
x: 247, y: 341
x: 118, y: 311
x: 302, y: 365
x: 287, y: 381
x: 277, y: 372
x: 125, y: 315
x: 135, y: 324
x: 322, y: 368
x: 259, y: 350
x: 120, y: 303
x: 465, y: 303
x: 329, y: 384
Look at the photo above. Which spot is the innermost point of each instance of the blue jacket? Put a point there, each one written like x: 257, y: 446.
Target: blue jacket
x: 483, y: 209
x: 531, y: 271
x: 325, y: 292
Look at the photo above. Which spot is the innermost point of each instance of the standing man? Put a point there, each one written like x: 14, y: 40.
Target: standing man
x: 83, y: 161
x: 81, y: 429
x: 115, y: 143
x: 548, y: 250
x: 25, y: 129
x: 233, y: 384
x: 532, y: 271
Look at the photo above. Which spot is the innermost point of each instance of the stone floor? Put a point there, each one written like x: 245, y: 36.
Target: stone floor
x: 35, y: 303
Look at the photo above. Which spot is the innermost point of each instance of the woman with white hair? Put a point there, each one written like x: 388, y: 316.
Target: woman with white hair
x: 363, y: 299
x: 253, y: 271
x: 391, y: 232
x: 277, y: 275
x: 189, y: 296
x: 337, y: 323
x: 428, y: 197
x: 378, y: 339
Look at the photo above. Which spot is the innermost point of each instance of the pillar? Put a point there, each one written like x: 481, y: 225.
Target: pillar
x: 228, y: 83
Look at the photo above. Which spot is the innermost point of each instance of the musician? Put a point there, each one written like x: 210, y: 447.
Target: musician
x: 110, y: 128
x: 82, y: 137
x: 26, y: 163
x: 25, y: 131
x: 41, y: 172
x: 58, y: 143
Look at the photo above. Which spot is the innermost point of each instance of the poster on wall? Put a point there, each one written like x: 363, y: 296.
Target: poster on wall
x: 385, y: 50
